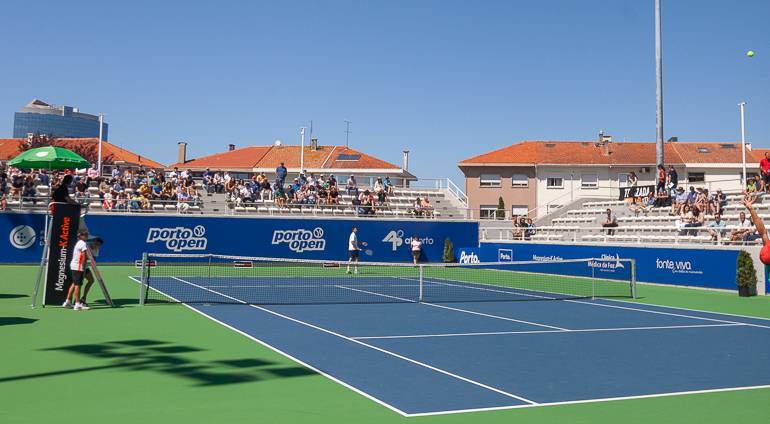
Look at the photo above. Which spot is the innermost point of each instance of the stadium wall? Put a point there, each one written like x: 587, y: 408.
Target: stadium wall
x: 711, y: 267
x: 127, y: 236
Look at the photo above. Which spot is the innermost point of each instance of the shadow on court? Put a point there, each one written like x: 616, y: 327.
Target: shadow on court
x: 15, y: 320
x: 165, y: 358
x: 12, y: 295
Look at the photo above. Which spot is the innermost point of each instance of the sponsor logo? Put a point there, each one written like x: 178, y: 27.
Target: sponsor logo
x: 606, y: 263
x: 676, y: 267
x: 301, y: 240
x: 550, y: 258
x: 396, y: 239
x: 504, y: 255
x: 468, y: 258
x: 179, y: 239
x: 63, y: 244
x: 22, y: 236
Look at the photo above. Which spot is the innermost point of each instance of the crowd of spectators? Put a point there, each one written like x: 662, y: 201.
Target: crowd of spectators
x: 523, y: 227
x: 123, y: 189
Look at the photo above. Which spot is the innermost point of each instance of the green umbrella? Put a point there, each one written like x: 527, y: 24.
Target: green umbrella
x: 49, y: 157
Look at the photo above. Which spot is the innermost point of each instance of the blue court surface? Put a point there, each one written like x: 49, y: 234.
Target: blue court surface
x: 435, y: 358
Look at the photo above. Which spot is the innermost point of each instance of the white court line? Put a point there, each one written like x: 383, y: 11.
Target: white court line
x: 574, y: 402
x: 301, y: 286
x: 495, y: 408
x: 583, y: 330
x: 583, y: 302
x: 279, y: 351
x: 460, y: 310
x: 379, y: 349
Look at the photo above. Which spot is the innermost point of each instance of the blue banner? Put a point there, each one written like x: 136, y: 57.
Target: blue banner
x: 708, y: 268
x: 127, y: 236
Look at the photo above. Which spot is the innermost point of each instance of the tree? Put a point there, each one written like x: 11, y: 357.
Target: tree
x: 500, y: 212
x: 88, y: 150
x: 449, y: 251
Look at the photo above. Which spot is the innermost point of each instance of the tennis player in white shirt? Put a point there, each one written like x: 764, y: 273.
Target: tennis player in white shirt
x: 416, y: 245
x: 78, y: 271
x: 353, y: 250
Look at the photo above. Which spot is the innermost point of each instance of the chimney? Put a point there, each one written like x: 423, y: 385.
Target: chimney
x: 604, y: 143
x: 406, y: 160
x: 181, y: 152
x: 314, y: 144
x: 230, y: 147
x: 673, y: 139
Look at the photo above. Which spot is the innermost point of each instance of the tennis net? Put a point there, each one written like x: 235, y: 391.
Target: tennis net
x: 197, y: 278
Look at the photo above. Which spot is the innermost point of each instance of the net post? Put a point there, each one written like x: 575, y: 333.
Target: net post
x: 593, y: 279
x: 633, y: 278
x: 208, y: 280
x: 422, y: 282
x: 143, y: 283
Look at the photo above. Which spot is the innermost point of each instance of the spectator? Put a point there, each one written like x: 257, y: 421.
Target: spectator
x: 679, y: 201
x: 379, y: 190
x: 388, y: 186
x: 632, y: 179
x: 333, y: 196
x: 685, y: 217
x: 530, y: 231
x: 702, y: 200
x: 3, y: 190
x: 743, y: 229
x: 92, y: 173
x: 764, y: 169
x: 716, y: 228
x: 352, y: 186
x: 673, y: 180
x: 751, y: 185
x: 280, y: 174
x: 427, y: 208
x: 417, y: 207
x: 662, y: 199
x: 43, y: 178
x: 719, y: 201
x: 661, y: 180
x: 61, y: 193
x: 611, y: 222
x: 691, y: 196
x: 116, y: 172
x: 29, y: 192
x: 219, y: 183
x: 695, y: 220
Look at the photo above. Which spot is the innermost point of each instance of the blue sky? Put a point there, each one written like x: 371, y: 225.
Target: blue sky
x: 444, y: 79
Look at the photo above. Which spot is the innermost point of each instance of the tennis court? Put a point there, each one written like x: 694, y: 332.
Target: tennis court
x: 507, y: 345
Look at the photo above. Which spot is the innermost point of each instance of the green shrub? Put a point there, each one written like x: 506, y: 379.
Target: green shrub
x: 500, y: 212
x: 449, y: 251
x: 746, y: 274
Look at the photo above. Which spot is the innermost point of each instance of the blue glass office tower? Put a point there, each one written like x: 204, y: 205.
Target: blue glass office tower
x: 39, y: 117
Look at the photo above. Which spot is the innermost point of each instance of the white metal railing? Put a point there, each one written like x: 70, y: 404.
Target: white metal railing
x: 677, y: 235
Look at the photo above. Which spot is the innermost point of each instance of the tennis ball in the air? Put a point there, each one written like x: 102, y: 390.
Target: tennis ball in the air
x: 750, y: 53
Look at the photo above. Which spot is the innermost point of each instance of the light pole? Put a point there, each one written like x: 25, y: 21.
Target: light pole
x: 347, y: 133
x: 658, y: 86
x: 742, y: 105
x: 302, y: 150
x: 101, y: 133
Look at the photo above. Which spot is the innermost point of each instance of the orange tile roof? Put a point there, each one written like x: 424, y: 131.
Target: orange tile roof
x: 9, y: 148
x: 759, y: 154
x: 618, y: 153
x: 269, y: 157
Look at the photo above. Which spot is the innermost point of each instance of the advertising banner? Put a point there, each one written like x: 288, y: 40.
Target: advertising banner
x: 708, y: 268
x: 638, y: 191
x: 326, y: 239
x: 64, y: 228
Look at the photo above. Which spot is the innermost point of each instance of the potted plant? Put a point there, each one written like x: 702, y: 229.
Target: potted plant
x: 746, y: 275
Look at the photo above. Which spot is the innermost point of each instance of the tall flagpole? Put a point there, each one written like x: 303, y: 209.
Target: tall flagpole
x: 101, y: 137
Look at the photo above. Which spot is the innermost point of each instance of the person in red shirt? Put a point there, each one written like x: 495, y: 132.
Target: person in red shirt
x: 661, y: 179
x: 764, y: 167
x: 764, y: 254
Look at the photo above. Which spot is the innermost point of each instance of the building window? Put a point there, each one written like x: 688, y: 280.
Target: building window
x: 519, y: 210
x: 519, y: 180
x: 487, y: 211
x: 589, y: 181
x: 490, y: 180
x: 696, y: 177
x: 554, y: 182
